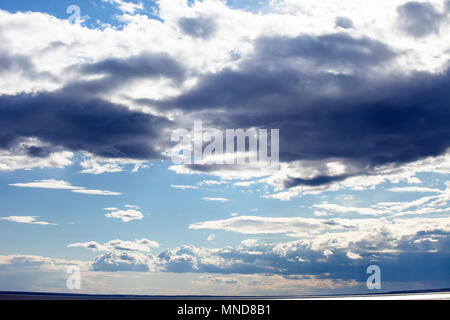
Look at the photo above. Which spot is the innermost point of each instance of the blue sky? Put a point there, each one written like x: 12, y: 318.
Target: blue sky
x: 92, y: 10
x: 87, y: 110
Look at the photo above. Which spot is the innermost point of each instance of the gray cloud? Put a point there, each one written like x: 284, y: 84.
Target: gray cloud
x: 298, y: 258
x: 199, y: 27
x: 351, y: 114
x: 22, y: 65
x: 77, y: 124
x: 76, y: 118
x: 344, y: 22
x: 123, y: 261
x: 419, y: 19
x: 118, y: 72
x: 324, y: 93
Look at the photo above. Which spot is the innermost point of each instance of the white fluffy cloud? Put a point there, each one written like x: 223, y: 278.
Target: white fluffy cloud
x: 139, y: 245
x: 364, y: 235
x: 388, y: 173
x: 125, y: 261
x: 125, y: 215
x: 122, y: 255
x: 18, y: 159
x: 98, y: 165
x: 323, y: 255
x: 353, y: 256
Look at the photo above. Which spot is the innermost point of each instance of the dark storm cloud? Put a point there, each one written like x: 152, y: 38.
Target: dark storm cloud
x: 199, y: 27
x: 419, y: 19
x: 355, y: 115
x: 40, y: 152
x: 96, y: 126
x: 398, y: 124
x: 76, y: 118
x: 316, y: 181
x: 365, y: 119
x: 119, y: 72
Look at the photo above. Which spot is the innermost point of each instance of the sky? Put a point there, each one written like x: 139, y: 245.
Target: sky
x: 92, y: 92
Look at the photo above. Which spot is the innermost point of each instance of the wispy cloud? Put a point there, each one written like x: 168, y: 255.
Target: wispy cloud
x: 414, y: 189
x: 212, y: 182
x: 27, y: 220
x: 345, y: 209
x: 183, y: 187
x: 97, y: 192
x: 216, y: 199
x: 98, y: 165
x: 47, y: 184
x: 63, y: 185
x: 126, y: 6
x: 422, y: 205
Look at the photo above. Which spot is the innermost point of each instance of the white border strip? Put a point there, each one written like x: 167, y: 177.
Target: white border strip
x: 414, y: 296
